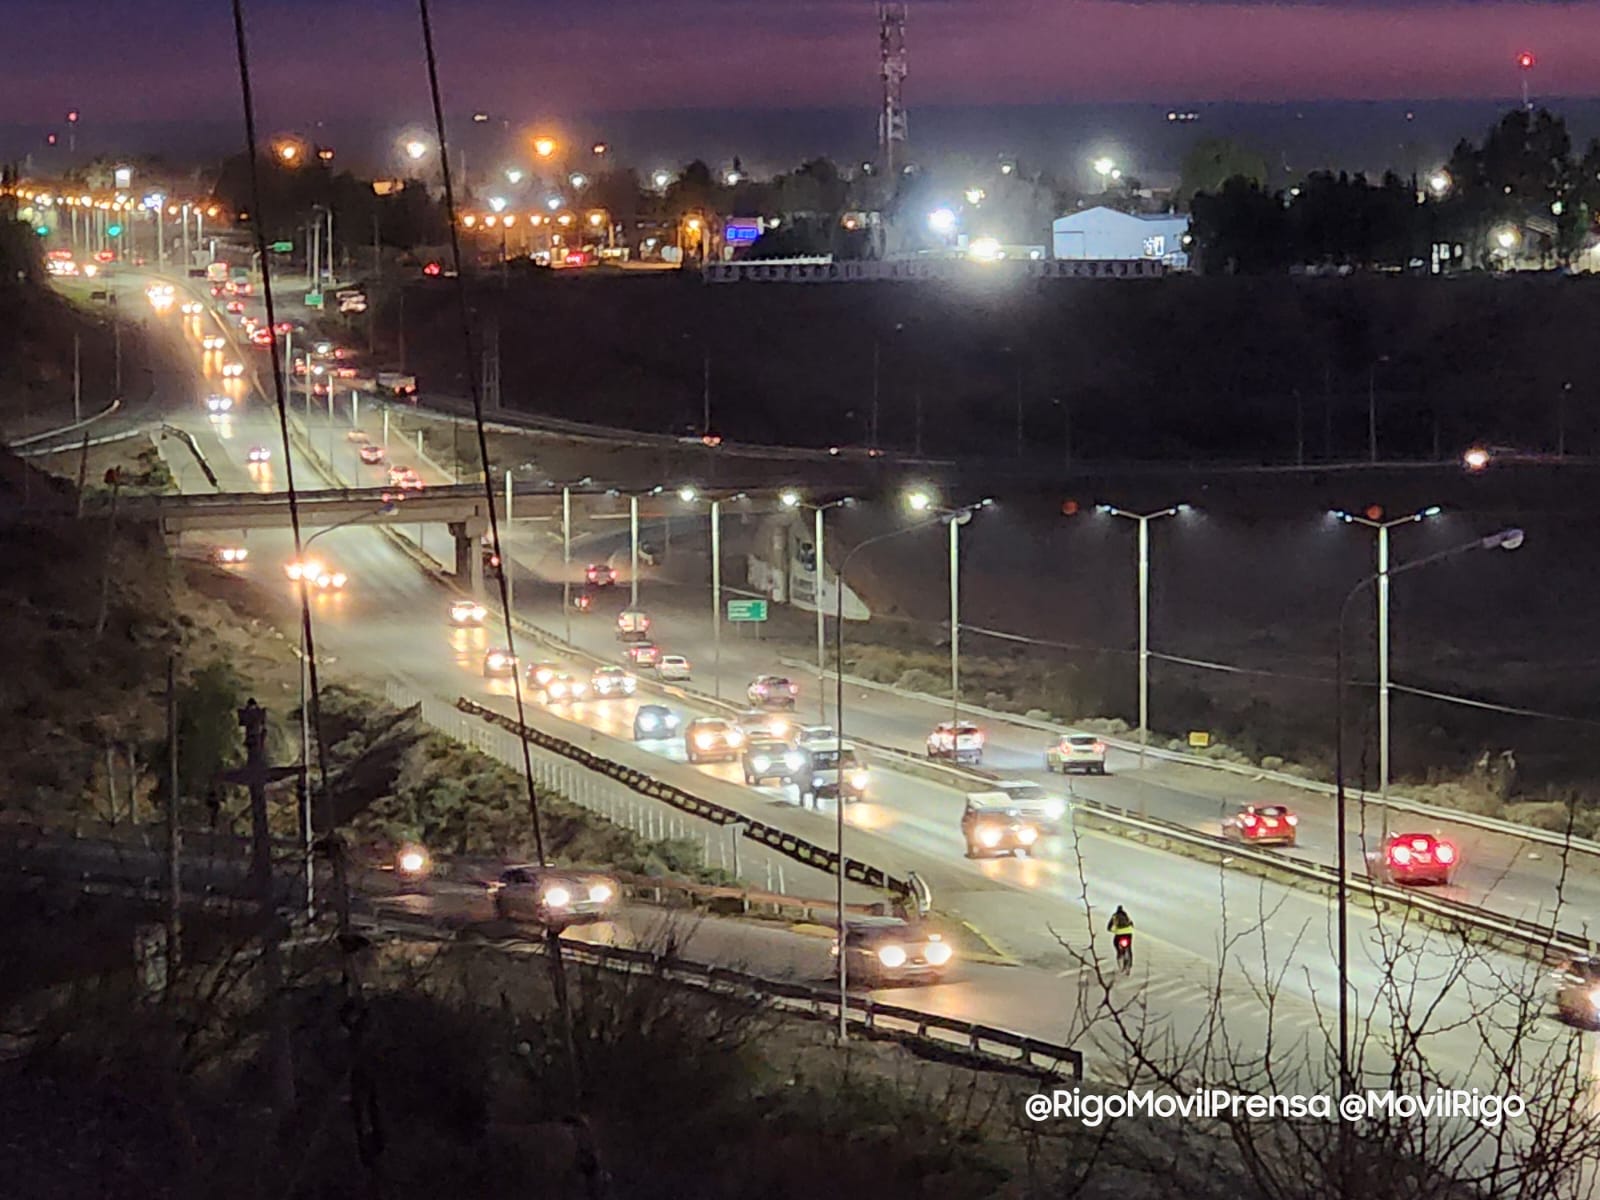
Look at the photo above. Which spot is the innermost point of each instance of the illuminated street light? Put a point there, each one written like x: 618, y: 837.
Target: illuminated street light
x: 553, y: 203
x: 942, y: 221
x: 661, y: 178
x: 687, y: 493
x: 732, y: 177
x: 984, y: 249
x: 544, y: 147
x: 975, y: 195
x: 1507, y: 238
x: 513, y: 176
x: 599, y: 149
x: 577, y: 180
x: 288, y: 152
x: 498, y: 203
x: 596, y: 218
x: 919, y: 501
x: 1104, y: 166
x: 1439, y: 182
x: 1476, y: 459
x: 789, y: 498
x: 416, y: 149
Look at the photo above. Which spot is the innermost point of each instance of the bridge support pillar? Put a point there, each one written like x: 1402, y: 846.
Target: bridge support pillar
x: 469, y: 554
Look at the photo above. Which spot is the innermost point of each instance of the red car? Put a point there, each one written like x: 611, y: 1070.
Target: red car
x: 1415, y: 858
x: 261, y: 337
x: 371, y: 454
x: 1262, y: 825
x: 600, y: 575
x: 236, y: 306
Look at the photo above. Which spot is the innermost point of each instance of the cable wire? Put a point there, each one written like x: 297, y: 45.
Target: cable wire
x: 280, y: 395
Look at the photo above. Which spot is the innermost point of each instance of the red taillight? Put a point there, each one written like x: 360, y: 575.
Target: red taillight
x: 1099, y: 747
x: 1248, y: 820
x: 1445, y: 852
x: 794, y: 689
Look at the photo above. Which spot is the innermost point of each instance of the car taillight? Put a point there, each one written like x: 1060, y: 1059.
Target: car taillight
x: 794, y: 689
x: 1248, y: 820
x: 1400, y: 855
x: 1445, y: 852
x: 1099, y: 747
x: 1293, y: 820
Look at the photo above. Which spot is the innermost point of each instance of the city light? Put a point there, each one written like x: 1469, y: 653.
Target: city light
x: 1476, y: 459
x: 288, y: 152
x: 687, y: 493
x: 919, y: 501
x: 1507, y: 238
x: 596, y: 218
x: 1439, y: 182
x: 985, y: 249
x: 1103, y: 167
x: 942, y: 221
x: 577, y: 180
x: 975, y: 195
x: 498, y: 203
x: 1525, y: 60
x: 661, y: 178
x: 553, y: 203
x: 732, y: 177
x: 513, y: 176
x: 598, y: 149
x: 790, y: 498
x: 416, y: 149
x: 544, y: 147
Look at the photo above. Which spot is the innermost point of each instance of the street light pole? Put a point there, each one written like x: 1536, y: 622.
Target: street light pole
x: 791, y: 499
x: 716, y: 599
x: 955, y: 617
x: 1144, y: 520
x: 633, y: 570
x: 1506, y: 539
x: 1383, y: 528
x: 566, y: 560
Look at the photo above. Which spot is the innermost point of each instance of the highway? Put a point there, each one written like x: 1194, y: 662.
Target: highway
x: 1200, y: 926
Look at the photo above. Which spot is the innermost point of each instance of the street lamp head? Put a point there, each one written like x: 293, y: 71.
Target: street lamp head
x: 1433, y: 510
x: 919, y: 501
x: 1439, y: 182
x: 942, y: 221
x: 498, y: 203
x: 661, y: 178
x: 1506, y: 539
x: 789, y: 498
x: 687, y: 493
x: 544, y: 147
x: 513, y: 176
x: 1104, y: 166
x: 1476, y: 459
x: 1184, y: 508
x: 416, y: 149
x: 1105, y: 508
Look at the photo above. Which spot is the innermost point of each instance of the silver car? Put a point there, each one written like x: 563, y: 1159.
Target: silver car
x: 553, y: 897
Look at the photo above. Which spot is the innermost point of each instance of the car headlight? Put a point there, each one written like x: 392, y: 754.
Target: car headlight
x: 648, y: 721
x: 1055, y: 809
x: 496, y: 661
x: 938, y: 951
x: 599, y: 893
x: 704, y: 740
x: 779, y: 727
x: 989, y: 835
x: 413, y: 860
x: 761, y: 762
x: 892, y: 956
x: 793, y: 760
x: 1027, y: 835
x: 859, y: 780
x: 735, y: 738
x: 557, y: 897
x: 340, y: 579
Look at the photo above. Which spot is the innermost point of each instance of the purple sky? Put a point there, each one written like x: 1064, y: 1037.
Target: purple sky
x: 538, y: 59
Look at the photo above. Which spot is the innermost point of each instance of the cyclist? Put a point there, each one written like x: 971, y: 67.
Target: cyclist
x: 1121, y: 929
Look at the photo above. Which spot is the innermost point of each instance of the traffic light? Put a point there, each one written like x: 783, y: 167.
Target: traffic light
x: 42, y: 230
x: 1069, y: 508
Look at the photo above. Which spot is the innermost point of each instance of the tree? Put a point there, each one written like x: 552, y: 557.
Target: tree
x: 1240, y: 230
x: 1212, y: 162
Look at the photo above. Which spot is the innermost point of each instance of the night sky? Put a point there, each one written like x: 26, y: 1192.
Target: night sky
x: 172, y: 59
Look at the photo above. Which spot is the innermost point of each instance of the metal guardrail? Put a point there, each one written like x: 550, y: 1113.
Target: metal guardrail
x: 930, y: 1031
x: 34, y: 438
x: 1432, y: 812
x: 788, y: 844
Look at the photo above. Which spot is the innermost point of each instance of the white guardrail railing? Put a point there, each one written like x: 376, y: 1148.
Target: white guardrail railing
x: 1432, y: 812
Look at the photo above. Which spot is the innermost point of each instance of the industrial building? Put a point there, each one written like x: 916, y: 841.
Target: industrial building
x: 1107, y: 235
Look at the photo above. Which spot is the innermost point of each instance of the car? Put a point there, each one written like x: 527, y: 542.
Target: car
x: 541, y: 673
x: 833, y: 770
x: 1026, y: 801
x: 564, y: 687
x: 583, y: 601
x: 882, y: 951
x: 499, y: 664
x: 956, y: 741
x: 633, y: 625
x: 217, y: 405
x: 371, y: 455
x: 232, y: 370
x: 655, y: 721
x: 491, y: 560
x: 554, y: 898
x: 323, y: 349
x: 259, y: 454
x: 212, y: 341
x: 229, y: 556
x: 712, y: 739
x: 318, y: 575
x: 190, y: 308
x: 772, y: 691
x: 1076, y: 752
x: 993, y: 831
x: 612, y: 681
x: 673, y: 666
x: 355, y: 435
x: 810, y: 735
x: 765, y: 758
x: 1262, y: 825
x: 261, y: 337
x: 600, y: 575
x: 407, y: 479
x: 643, y: 655
x: 467, y: 612
x: 1414, y: 858
x: 1576, y: 984
x: 235, y: 306
x: 757, y: 723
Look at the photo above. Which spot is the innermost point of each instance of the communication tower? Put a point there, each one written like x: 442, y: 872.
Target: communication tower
x: 892, y: 59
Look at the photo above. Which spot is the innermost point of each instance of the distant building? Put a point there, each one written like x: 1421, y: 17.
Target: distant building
x: 1107, y: 235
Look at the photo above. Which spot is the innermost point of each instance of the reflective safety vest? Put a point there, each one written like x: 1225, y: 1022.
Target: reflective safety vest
x: 1121, y: 925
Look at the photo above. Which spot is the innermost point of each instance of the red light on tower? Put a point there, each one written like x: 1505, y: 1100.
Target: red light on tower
x: 1374, y: 512
x: 1525, y: 60
x: 72, y: 116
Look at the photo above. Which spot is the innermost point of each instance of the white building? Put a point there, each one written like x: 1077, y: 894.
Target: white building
x: 1106, y: 235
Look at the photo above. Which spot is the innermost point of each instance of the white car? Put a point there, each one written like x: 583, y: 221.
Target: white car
x: 553, y: 897
x: 1076, y: 752
x: 612, y: 681
x: 673, y: 666
x: 467, y: 612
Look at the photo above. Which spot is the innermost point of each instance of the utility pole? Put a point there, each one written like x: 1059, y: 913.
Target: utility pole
x: 705, y: 396
x: 256, y: 774
x: 174, y: 834
x: 116, y: 342
x: 77, y: 378
x: 491, y: 364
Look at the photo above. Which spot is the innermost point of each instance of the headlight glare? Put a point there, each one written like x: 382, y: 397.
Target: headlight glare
x: 557, y: 897
x: 892, y: 956
x: 599, y: 893
x: 938, y: 952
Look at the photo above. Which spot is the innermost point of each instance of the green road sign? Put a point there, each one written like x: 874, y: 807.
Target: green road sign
x: 313, y: 299
x: 747, y: 610
x: 281, y: 247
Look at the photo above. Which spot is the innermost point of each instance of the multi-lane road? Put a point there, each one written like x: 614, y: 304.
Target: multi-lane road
x: 1201, y: 927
